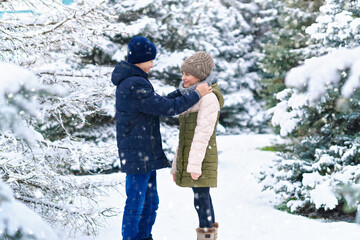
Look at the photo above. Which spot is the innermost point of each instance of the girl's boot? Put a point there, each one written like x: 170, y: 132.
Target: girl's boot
x: 216, y: 226
x: 205, y: 233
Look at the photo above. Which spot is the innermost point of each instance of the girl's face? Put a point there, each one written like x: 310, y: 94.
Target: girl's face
x: 189, y: 79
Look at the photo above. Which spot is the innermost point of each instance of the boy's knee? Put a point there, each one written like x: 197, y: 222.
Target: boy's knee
x: 133, y: 210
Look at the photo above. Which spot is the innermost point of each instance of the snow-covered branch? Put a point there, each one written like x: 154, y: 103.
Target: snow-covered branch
x: 319, y: 73
x: 38, y: 172
x: 42, y: 30
x: 18, y: 220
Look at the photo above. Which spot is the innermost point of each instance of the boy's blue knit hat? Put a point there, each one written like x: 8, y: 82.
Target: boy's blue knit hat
x: 140, y: 50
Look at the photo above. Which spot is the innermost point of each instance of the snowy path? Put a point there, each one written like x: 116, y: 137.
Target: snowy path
x: 242, y: 210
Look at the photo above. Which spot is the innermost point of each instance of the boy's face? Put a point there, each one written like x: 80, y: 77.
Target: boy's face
x: 146, y: 66
x: 189, y: 79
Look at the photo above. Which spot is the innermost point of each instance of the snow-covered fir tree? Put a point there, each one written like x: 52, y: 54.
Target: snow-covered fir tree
x: 225, y: 29
x: 336, y: 27
x: 283, y: 42
x: 321, y: 115
x: 51, y: 39
x: 18, y: 222
x: 58, y: 58
x: 18, y: 91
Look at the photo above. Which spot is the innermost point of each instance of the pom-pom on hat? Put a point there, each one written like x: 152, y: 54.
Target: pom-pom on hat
x: 199, y: 65
x: 140, y: 50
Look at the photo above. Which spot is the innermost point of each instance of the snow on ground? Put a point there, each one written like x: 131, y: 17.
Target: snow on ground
x: 242, y: 210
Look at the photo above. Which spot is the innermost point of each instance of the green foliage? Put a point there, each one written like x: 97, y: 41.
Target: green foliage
x: 276, y: 148
x: 18, y: 235
x: 283, y: 44
x: 272, y: 86
x: 283, y: 207
x: 311, y: 5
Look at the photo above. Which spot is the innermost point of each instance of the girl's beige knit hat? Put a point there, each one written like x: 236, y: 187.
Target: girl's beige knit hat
x: 199, y: 65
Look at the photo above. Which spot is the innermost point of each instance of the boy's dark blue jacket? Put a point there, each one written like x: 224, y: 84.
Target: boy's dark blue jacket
x: 138, y: 108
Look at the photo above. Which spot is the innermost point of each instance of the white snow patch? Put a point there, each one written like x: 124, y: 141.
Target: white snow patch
x: 324, y: 196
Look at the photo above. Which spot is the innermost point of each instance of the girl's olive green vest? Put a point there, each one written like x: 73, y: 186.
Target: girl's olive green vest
x: 209, y: 166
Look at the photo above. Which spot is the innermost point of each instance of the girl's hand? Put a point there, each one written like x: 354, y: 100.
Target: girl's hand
x: 174, y: 177
x: 195, y: 176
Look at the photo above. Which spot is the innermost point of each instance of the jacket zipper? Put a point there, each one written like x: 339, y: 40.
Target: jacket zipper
x: 152, y: 136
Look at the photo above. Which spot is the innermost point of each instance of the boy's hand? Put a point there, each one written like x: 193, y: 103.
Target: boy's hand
x: 174, y: 177
x: 204, y: 89
x: 195, y: 176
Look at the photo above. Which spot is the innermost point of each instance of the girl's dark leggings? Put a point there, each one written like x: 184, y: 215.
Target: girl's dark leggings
x: 204, y: 206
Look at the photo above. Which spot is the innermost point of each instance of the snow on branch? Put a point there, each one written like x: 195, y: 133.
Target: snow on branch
x: 51, y: 26
x: 16, y: 218
x: 319, y: 73
x: 38, y: 173
x: 39, y: 177
x: 19, y: 89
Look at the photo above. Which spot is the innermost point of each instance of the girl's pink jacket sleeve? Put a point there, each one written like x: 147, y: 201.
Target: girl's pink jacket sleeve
x: 208, y: 108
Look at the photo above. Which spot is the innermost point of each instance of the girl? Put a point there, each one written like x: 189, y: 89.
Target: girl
x: 196, y: 160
